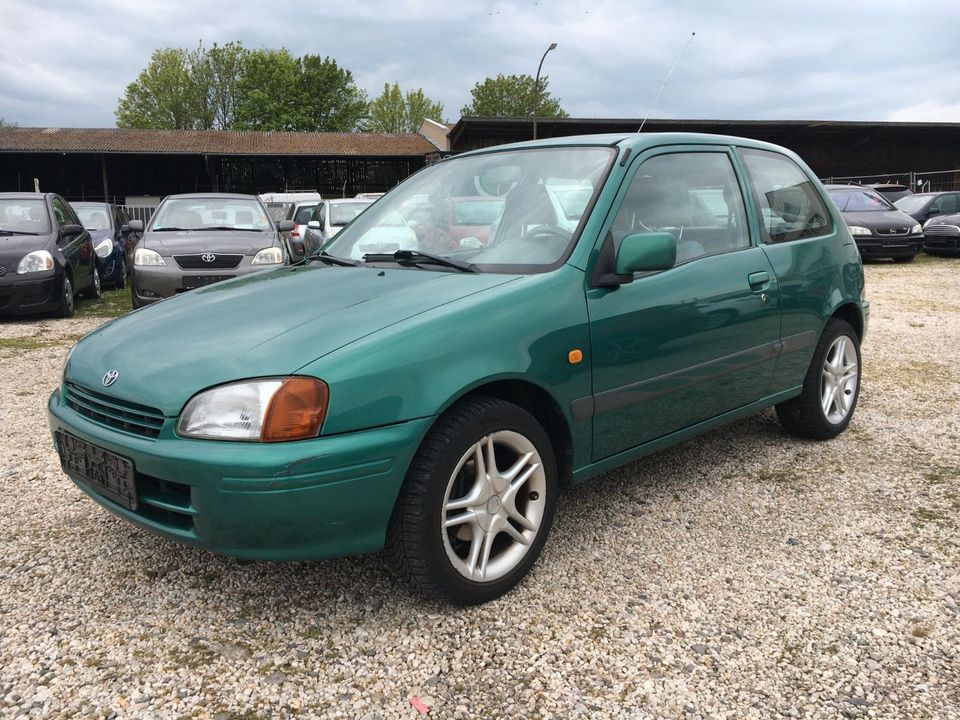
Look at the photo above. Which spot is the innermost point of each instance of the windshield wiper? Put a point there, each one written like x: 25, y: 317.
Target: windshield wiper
x: 329, y: 259
x: 4, y: 231
x: 418, y: 257
x: 227, y: 227
x: 172, y: 229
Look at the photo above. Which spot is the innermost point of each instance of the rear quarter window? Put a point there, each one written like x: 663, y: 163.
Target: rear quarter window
x: 791, y: 206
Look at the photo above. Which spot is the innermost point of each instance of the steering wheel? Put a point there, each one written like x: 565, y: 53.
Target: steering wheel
x: 547, y: 232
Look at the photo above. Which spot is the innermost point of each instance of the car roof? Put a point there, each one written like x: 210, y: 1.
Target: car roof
x: 25, y: 196
x: 342, y: 201
x: 212, y: 196
x: 841, y: 186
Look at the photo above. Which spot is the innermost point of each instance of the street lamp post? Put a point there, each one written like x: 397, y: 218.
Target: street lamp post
x: 536, y: 101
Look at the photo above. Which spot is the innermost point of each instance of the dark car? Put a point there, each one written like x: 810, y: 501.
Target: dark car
x: 878, y: 228
x: 891, y: 191
x: 200, y: 239
x: 923, y: 206
x: 45, y: 255
x: 113, y: 240
x: 941, y: 235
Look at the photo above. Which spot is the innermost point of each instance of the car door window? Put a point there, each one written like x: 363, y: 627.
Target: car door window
x: 692, y: 195
x: 62, y: 213
x: 948, y: 204
x: 790, y: 206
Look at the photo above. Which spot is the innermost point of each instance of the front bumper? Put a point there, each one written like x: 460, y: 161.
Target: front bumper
x: 23, y: 294
x: 110, y: 267
x: 942, y: 243
x: 154, y: 283
x: 873, y: 246
x: 270, y: 501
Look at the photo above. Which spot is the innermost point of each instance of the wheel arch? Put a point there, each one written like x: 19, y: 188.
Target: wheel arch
x: 852, y: 314
x: 538, y: 402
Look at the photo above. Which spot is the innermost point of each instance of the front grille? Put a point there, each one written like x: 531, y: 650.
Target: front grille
x: 948, y: 230
x: 197, y: 262
x: 892, y: 231
x: 165, y: 502
x: 114, y: 413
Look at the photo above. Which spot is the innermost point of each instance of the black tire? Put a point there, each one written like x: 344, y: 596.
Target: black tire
x: 121, y: 282
x: 804, y: 415
x: 67, y: 305
x: 904, y: 258
x: 95, y: 290
x: 416, y: 543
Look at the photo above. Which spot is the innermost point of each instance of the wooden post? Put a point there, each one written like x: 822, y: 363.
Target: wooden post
x: 103, y: 169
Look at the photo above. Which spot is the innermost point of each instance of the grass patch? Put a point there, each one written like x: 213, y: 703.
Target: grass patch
x: 920, y: 631
x: 40, y: 340
x: 113, y: 303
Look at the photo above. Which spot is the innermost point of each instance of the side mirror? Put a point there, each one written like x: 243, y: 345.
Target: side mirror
x: 72, y: 229
x: 314, y: 224
x: 136, y: 226
x: 286, y: 225
x: 646, y: 252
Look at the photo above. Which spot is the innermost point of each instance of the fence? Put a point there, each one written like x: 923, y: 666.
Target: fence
x: 139, y: 212
x: 932, y: 181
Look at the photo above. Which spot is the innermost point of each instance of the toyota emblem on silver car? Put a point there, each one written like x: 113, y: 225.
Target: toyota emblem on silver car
x: 208, y: 257
x: 110, y: 378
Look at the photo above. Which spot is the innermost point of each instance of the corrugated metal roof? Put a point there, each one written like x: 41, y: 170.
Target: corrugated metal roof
x: 211, y: 142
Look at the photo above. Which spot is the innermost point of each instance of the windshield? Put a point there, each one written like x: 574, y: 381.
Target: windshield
x: 280, y: 210
x: 24, y: 216
x: 859, y: 201
x: 210, y: 213
x: 93, y: 217
x: 343, y: 213
x: 912, y: 203
x: 507, y: 211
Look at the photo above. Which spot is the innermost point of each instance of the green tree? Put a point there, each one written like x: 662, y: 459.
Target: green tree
x: 269, y: 92
x: 5, y: 124
x: 163, y: 96
x: 216, y: 74
x: 330, y: 98
x: 512, y: 96
x: 394, y: 112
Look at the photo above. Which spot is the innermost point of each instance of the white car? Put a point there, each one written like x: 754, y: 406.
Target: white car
x: 328, y: 218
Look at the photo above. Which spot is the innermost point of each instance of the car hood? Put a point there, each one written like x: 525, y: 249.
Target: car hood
x: 884, y: 220
x: 268, y: 323
x: 952, y: 219
x: 213, y: 241
x: 14, y: 247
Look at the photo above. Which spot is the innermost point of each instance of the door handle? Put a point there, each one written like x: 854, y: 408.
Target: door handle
x: 758, y: 279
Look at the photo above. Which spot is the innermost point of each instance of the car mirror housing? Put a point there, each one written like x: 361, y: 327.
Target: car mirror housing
x: 72, y: 229
x: 314, y: 224
x: 285, y: 225
x: 136, y: 226
x: 646, y: 252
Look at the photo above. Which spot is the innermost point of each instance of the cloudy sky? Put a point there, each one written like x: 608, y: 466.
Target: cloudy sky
x: 65, y: 63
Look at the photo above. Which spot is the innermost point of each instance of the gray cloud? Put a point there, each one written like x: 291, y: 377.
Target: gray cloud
x: 66, y: 64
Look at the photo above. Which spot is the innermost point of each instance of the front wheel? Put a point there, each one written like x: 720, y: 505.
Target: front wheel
x: 904, y: 258
x: 831, y: 387
x: 66, y: 306
x: 477, y: 503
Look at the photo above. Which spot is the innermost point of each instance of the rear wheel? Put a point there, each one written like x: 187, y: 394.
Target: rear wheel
x: 67, y: 305
x: 477, y: 503
x: 830, y: 389
x: 95, y: 290
x: 904, y: 258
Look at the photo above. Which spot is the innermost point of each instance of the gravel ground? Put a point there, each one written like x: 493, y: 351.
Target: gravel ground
x: 744, y: 574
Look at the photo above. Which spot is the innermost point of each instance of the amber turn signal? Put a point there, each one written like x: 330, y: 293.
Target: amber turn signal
x: 574, y: 356
x: 296, y: 410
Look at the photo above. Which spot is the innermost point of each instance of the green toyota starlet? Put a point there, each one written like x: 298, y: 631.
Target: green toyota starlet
x: 503, y: 324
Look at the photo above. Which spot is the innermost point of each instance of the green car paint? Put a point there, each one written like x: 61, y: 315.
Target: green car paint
x: 666, y: 355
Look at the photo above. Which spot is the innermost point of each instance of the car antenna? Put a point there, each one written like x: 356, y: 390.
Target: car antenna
x: 664, y: 84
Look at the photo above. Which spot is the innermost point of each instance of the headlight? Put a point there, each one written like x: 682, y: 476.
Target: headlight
x: 104, y: 248
x: 37, y: 261
x: 268, y: 256
x: 66, y: 364
x: 917, y: 229
x: 271, y: 410
x: 857, y: 230
x: 144, y: 256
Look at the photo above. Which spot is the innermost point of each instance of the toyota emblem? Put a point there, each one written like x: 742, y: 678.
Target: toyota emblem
x: 208, y: 257
x: 110, y: 378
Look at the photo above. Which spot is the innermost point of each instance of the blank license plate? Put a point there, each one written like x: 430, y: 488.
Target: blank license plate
x: 104, y: 472
x: 192, y: 282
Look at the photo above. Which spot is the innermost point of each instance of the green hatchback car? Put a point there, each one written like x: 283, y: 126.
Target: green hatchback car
x: 431, y: 393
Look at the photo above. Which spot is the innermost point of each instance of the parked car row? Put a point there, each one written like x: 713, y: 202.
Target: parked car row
x: 901, y: 228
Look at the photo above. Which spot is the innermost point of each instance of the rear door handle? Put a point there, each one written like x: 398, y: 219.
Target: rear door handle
x: 758, y: 279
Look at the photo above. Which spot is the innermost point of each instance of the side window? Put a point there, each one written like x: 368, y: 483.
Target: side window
x: 948, y: 204
x: 790, y: 206
x: 61, y: 212
x: 322, y: 213
x: 692, y: 195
